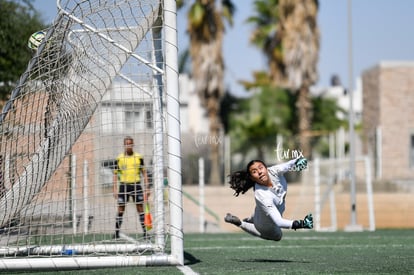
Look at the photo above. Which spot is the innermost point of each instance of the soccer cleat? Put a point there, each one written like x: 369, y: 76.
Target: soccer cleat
x: 306, y: 223
x: 232, y: 219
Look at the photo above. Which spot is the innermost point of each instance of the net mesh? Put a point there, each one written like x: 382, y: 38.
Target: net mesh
x: 333, y: 198
x: 93, y: 80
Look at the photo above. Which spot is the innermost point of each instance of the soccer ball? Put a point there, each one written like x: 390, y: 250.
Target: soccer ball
x: 35, y: 40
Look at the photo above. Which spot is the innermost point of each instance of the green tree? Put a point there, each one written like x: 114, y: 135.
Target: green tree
x: 228, y: 105
x: 287, y: 33
x: 206, y: 29
x: 325, y: 116
x: 259, y: 119
x: 18, y: 20
x: 270, y: 111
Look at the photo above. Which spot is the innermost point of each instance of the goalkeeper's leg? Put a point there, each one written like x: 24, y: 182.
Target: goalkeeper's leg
x: 249, y: 227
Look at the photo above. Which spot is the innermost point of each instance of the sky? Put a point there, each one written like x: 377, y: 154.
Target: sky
x: 382, y: 30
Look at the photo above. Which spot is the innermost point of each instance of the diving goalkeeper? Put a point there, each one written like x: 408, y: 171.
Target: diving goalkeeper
x: 270, y: 187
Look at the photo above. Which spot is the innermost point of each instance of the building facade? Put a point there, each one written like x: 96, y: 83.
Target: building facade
x: 388, y: 120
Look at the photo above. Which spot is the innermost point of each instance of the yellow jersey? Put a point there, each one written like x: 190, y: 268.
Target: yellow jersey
x: 129, y: 168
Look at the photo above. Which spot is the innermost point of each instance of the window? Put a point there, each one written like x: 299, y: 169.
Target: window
x: 106, y: 118
x: 148, y: 119
x: 132, y: 120
x: 126, y: 117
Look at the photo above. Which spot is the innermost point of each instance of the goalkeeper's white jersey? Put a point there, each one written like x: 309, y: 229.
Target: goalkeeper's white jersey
x: 270, y: 201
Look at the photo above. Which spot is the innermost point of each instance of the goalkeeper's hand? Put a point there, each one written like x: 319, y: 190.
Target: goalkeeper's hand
x: 307, y: 223
x: 301, y: 164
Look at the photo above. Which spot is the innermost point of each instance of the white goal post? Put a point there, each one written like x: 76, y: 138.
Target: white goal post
x: 331, y: 193
x: 105, y: 70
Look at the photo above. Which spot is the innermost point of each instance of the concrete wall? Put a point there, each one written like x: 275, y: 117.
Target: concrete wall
x: 388, y: 102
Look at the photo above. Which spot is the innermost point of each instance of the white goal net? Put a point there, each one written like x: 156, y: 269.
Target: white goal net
x: 105, y: 70
x: 334, y: 202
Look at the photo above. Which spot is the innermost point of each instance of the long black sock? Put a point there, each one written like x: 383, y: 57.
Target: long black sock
x: 141, y: 219
x: 118, y: 222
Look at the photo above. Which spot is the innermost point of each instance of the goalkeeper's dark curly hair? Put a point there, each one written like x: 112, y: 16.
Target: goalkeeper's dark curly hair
x: 240, y: 181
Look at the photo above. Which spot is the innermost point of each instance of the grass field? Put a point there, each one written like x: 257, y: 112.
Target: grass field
x: 380, y: 252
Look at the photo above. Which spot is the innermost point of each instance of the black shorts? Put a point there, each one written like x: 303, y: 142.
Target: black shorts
x: 130, y: 190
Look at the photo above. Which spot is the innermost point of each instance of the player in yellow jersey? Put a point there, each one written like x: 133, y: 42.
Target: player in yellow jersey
x: 130, y: 166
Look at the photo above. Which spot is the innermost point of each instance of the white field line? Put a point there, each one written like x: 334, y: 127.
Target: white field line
x: 300, y: 246
x: 187, y: 270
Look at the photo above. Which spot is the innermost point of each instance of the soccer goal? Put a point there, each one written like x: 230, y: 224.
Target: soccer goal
x: 333, y: 205
x: 105, y: 70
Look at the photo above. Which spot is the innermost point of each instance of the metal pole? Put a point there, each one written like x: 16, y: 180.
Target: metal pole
x: 174, y: 134
x: 73, y: 193
x: 201, y: 193
x: 353, y: 224
x: 85, y: 197
x: 368, y: 180
x: 158, y: 137
x: 317, y: 182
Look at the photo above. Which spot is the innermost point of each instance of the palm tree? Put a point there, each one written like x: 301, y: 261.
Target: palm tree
x: 259, y: 119
x: 206, y: 29
x: 287, y: 32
